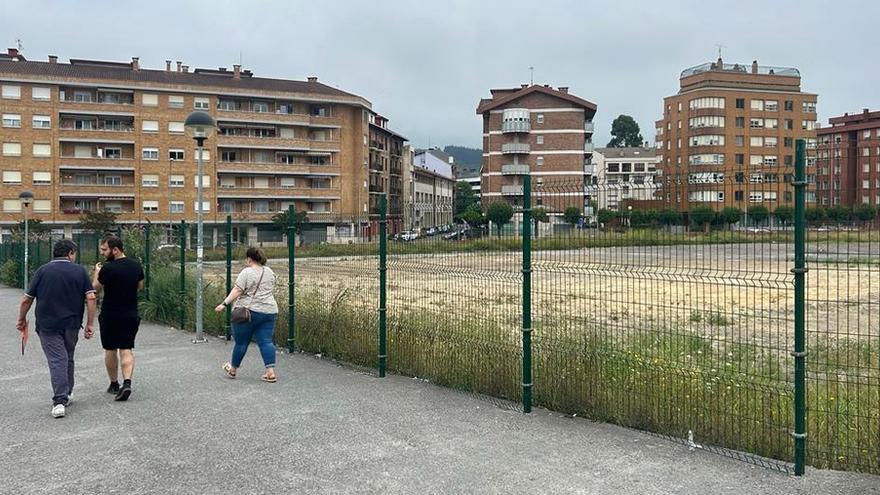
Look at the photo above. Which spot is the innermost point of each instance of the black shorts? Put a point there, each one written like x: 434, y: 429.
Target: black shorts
x: 118, y: 331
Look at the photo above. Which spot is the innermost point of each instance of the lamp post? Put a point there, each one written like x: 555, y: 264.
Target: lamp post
x: 629, y: 214
x: 26, y: 198
x: 199, y: 126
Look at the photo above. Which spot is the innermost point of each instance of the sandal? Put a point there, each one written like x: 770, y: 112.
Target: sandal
x: 269, y: 378
x: 230, y: 371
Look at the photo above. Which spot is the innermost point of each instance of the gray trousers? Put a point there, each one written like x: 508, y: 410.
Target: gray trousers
x: 58, y: 346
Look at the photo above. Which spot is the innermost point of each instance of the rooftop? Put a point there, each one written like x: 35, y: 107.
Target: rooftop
x: 503, y: 96
x: 753, y: 68
x: 629, y: 152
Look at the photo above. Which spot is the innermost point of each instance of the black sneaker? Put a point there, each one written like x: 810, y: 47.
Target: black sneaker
x: 124, y: 392
x: 113, y: 388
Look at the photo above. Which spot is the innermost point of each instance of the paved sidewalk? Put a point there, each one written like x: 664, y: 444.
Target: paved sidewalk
x: 324, y: 429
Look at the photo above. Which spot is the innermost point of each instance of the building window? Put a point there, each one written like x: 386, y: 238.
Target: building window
x: 261, y: 107
x: 706, y: 121
x: 539, y: 140
x: 770, y: 160
x: 112, y: 153
x: 809, y: 106
x: 150, y: 206
x: 150, y: 180
x: 175, y: 207
x: 206, y: 181
x: 11, y: 92
x: 808, y: 125
x: 540, y: 118
x: 740, y: 103
x: 206, y: 206
x: 757, y: 105
x: 789, y: 124
x: 787, y: 142
x: 866, y: 151
x: 707, y: 140
x: 42, y: 178
x: 41, y: 94
x: 202, y: 103
x: 756, y: 123
x: 42, y: 150
x: 175, y: 101
x: 150, y: 153
x: 205, y: 156
x: 540, y: 161
x: 771, y: 105
x: 707, y: 102
x: 41, y: 122
x: 11, y: 120
x: 176, y: 155
x: 11, y: 177
x: 228, y: 156
x: 11, y: 205
x: 789, y: 160
x: 740, y: 122
x: 150, y: 125
x: 11, y: 149
x: 150, y: 100
x: 789, y: 105
x: 42, y: 205
x: 175, y: 127
x: 740, y: 159
x: 756, y: 141
x: 176, y: 181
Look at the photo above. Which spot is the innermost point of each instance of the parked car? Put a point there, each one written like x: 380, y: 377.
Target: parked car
x: 432, y: 231
x: 408, y: 236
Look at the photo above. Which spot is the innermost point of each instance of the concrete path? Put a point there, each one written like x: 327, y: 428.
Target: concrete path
x: 324, y: 429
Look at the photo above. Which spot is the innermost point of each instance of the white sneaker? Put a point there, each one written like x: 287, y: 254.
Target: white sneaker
x: 58, y: 411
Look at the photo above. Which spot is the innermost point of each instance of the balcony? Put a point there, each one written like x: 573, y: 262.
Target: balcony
x: 588, y: 147
x: 515, y: 148
x: 588, y: 127
x: 590, y: 169
x: 512, y: 190
x: 514, y: 126
x: 226, y: 141
x: 512, y: 169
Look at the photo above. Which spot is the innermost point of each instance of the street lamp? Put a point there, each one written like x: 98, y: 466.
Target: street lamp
x: 629, y: 214
x: 199, y: 126
x: 26, y: 198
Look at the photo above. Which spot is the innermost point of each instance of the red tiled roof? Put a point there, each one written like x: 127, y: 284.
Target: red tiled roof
x: 487, y: 105
x: 123, y: 73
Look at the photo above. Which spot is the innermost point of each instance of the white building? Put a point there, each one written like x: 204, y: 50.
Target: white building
x: 625, y: 174
x: 431, y: 187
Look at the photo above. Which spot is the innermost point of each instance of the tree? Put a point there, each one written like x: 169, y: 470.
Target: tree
x: 572, y: 215
x: 539, y: 215
x: 758, y: 214
x: 814, y: 215
x: 730, y: 215
x: 464, y: 197
x: 499, y: 213
x: 669, y: 216
x: 839, y: 214
x: 98, y: 222
x: 36, y: 229
x: 865, y: 213
x: 626, y: 132
x: 605, y: 216
x: 784, y: 214
x: 703, y: 216
x: 473, y: 216
x: 638, y: 218
x: 282, y: 218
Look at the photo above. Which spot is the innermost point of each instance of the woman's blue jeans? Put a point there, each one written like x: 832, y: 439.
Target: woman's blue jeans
x: 260, y: 328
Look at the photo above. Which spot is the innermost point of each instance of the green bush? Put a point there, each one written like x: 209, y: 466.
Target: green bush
x: 10, y: 273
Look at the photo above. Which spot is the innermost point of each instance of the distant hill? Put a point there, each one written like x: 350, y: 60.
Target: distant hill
x: 465, y: 158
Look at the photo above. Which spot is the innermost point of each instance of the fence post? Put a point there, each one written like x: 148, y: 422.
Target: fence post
x: 78, y: 248
x: 291, y: 243
x: 97, y: 236
x: 147, y: 249
x: 383, y: 251
x: 527, y: 295
x: 228, y: 275
x: 799, y: 270
x: 182, y: 298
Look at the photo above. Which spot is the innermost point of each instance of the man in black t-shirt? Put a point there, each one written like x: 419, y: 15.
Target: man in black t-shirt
x: 121, y: 278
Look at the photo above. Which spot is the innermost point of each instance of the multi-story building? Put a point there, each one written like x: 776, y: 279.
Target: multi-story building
x: 540, y: 131
x: 624, y: 174
x: 848, y: 161
x: 386, y: 164
x: 431, y: 188
x: 727, y: 138
x: 92, y: 135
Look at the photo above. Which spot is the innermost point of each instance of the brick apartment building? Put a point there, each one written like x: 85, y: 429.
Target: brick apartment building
x: 727, y: 138
x: 848, y: 162
x: 93, y: 135
x: 540, y: 131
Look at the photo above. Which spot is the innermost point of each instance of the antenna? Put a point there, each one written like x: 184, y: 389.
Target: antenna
x: 719, y: 47
x: 531, y: 75
x: 240, y: 59
x: 18, y: 43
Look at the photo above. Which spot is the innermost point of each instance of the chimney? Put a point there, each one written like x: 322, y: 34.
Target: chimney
x: 236, y: 71
x: 523, y: 86
x: 451, y: 159
x: 135, y: 64
x: 13, y: 53
x: 313, y: 79
x: 546, y: 85
x: 53, y: 59
x: 167, y: 66
x: 754, y: 66
x: 563, y: 89
x: 185, y: 68
x: 865, y: 111
x: 178, y: 65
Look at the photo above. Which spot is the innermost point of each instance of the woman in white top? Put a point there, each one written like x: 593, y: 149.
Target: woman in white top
x: 253, y: 290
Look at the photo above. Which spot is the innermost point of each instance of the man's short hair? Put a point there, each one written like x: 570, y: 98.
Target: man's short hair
x: 63, y: 248
x: 113, y: 242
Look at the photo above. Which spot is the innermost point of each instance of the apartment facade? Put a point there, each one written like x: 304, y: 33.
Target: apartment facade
x: 92, y: 135
x: 432, y: 190
x: 541, y: 131
x: 386, y: 165
x: 727, y: 138
x: 848, y: 161
x: 624, y: 174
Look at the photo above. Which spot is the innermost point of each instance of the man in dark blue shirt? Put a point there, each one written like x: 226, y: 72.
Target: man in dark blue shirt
x: 60, y: 288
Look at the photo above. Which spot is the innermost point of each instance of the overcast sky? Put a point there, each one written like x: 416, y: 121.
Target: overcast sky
x: 426, y: 64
